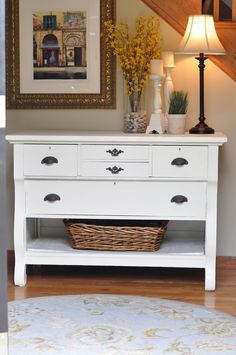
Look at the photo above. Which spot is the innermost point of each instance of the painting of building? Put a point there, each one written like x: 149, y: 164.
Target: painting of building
x: 59, y: 45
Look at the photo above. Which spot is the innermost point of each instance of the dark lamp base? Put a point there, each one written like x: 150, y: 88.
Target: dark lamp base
x: 202, y: 128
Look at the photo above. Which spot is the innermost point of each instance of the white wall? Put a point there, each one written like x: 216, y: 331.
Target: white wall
x: 220, y: 101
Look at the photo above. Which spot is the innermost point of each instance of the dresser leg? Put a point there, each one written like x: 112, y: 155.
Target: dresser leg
x: 210, y: 279
x: 20, y: 247
x: 20, y: 277
x: 210, y: 250
x: 19, y: 226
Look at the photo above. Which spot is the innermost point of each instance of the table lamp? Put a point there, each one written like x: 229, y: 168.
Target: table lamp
x: 200, y: 38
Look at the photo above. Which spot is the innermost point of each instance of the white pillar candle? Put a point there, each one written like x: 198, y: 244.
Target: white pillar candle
x: 157, y: 67
x: 168, y: 59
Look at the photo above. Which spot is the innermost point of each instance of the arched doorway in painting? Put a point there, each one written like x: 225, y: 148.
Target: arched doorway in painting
x: 75, y: 50
x: 50, y: 51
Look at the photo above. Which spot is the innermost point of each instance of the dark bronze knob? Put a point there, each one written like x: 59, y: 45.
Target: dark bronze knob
x: 52, y: 198
x: 49, y: 160
x: 179, y: 199
x: 179, y: 162
x: 115, y: 152
x: 114, y: 169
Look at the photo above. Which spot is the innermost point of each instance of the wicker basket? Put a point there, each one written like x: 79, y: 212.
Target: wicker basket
x: 115, y: 235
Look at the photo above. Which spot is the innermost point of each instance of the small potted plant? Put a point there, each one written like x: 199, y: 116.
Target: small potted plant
x: 178, y: 106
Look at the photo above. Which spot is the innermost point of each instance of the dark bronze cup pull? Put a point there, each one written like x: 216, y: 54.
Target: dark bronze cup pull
x: 115, y: 152
x: 114, y: 170
x: 52, y: 198
x: 179, y: 162
x: 179, y: 199
x: 49, y: 160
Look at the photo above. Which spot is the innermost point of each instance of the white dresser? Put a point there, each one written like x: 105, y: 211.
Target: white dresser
x: 112, y: 175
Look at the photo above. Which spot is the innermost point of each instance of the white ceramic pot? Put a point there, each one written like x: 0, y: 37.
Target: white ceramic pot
x: 176, y: 123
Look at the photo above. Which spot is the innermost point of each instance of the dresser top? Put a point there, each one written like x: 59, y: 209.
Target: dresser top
x: 101, y: 137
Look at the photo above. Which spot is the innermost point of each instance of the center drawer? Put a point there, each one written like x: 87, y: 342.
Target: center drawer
x: 120, y: 198
x: 115, y: 152
x: 114, y: 169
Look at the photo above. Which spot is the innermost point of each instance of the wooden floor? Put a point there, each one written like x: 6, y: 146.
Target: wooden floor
x: 176, y: 284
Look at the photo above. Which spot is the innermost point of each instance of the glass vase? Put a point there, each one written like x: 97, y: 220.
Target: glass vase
x: 135, y: 116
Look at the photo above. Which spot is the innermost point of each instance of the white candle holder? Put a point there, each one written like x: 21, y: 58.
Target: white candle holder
x: 168, y: 88
x: 155, y: 124
x: 168, y: 85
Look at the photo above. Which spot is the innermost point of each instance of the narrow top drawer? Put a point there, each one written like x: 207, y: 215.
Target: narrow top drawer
x: 50, y: 160
x: 180, y: 161
x: 115, y: 152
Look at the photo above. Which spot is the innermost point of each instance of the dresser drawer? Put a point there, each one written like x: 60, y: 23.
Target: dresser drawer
x: 50, y: 160
x: 121, y: 198
x: 114, y: 169
x: 180, y: 161
x: 115, y: 152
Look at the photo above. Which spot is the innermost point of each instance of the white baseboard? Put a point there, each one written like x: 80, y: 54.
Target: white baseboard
x: 4, y: 343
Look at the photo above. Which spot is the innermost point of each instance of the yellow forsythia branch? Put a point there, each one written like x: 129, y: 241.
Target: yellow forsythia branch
x: 135, y: 52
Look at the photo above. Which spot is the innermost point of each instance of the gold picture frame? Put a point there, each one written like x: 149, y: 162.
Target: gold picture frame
x: 24, y: 92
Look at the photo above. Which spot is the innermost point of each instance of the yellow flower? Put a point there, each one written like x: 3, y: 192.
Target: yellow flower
x: 135, y: 52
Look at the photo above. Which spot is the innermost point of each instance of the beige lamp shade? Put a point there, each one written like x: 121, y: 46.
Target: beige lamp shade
x: 200, y: 37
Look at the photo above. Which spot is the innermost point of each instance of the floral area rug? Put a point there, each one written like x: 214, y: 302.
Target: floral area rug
x: 117, y: 325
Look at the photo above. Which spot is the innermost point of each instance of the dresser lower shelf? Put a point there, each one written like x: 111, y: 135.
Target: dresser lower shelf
x: 174, y: 252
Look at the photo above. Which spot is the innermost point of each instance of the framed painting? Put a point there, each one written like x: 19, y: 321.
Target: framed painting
x: 56, y: 54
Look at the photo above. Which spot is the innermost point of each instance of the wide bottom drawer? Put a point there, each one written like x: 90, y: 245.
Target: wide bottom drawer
x: 121, y: 198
